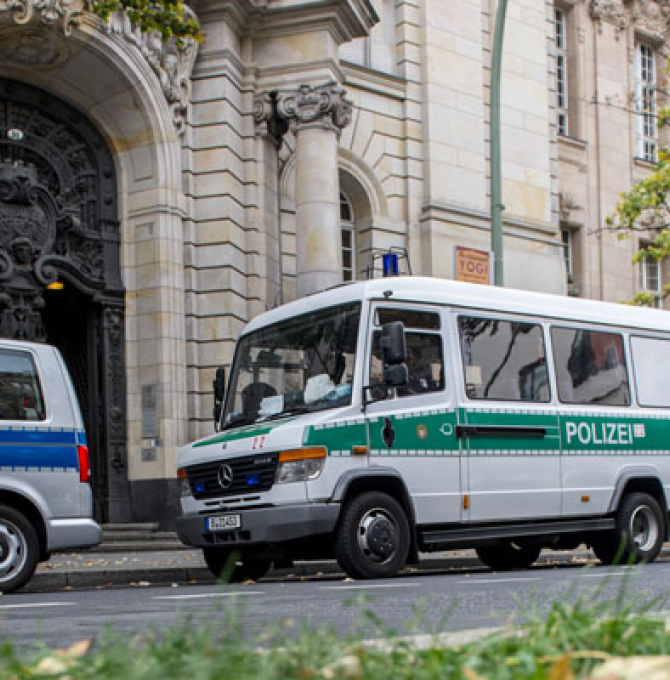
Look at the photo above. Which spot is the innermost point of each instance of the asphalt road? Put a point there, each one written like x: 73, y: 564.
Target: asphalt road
x: 408, y: 604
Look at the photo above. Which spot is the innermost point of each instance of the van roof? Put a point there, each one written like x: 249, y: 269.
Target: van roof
x: 475, y: 296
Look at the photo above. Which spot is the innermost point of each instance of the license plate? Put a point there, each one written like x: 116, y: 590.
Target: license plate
x: 224, y: 522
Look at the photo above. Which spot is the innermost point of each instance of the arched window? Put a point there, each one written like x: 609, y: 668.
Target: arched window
x: 348, y: 227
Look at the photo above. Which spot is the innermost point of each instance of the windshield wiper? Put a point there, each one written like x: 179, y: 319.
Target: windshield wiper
x: 239, y: 420
x: 293, y: 411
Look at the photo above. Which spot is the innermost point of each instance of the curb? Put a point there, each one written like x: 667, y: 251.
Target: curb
x: 62, y: 579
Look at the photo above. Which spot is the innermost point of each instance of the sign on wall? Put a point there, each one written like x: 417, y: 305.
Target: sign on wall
x: 471, y: 265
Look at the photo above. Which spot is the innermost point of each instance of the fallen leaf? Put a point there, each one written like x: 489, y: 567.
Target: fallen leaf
x: 561, y: 670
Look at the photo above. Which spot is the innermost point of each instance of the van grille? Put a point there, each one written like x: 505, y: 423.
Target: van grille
x: 251, y: 474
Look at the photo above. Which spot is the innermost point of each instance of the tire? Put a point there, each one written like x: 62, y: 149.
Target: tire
x: 220, y: 563
x: 19, y: 549
x: 638, y: 535
x: 508, y: 555
x: 373, y: 536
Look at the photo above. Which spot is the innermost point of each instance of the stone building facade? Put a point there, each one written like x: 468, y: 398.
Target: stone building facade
x: 176, y: 192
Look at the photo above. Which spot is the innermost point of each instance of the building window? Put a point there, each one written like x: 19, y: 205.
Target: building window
x: 561, y: 72
x: 645, y: 103
x: 348, y: 227
x: 650, y: 278
x: 566, y: 239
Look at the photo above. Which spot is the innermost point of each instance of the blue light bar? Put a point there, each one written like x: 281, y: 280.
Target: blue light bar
x: 390, y: 264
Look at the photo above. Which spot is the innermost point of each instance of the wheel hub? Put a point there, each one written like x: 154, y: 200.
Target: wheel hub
x: 643, y: 528
x: 12, y: 552
x: 378, y: 536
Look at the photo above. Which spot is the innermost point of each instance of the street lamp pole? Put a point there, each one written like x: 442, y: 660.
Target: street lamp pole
x: 497, y: 206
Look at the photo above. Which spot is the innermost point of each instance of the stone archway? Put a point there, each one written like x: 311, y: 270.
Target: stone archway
x: 58, y: 224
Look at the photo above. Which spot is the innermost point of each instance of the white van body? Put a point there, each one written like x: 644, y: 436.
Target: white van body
x: 523, y: 421
x: 45, y: 495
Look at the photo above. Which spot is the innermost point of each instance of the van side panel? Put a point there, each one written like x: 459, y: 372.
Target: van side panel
x: 599, y: 447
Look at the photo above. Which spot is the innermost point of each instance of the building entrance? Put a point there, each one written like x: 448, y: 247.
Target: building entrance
x: 59, y: 266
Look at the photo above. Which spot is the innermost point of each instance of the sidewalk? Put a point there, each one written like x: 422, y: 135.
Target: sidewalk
x: 141, y: 568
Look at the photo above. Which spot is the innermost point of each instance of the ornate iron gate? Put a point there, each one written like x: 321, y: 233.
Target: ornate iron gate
x: 59, y: 265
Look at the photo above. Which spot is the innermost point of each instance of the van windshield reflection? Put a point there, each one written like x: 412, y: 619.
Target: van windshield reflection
x: 297, y: 366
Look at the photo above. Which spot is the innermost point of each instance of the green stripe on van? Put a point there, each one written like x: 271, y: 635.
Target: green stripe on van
x: 242, y: 433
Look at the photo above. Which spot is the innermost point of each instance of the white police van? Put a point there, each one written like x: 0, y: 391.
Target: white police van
x: 45, y: 495
x: 380, y: 419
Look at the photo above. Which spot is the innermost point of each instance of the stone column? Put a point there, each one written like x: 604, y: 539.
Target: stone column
x: 317, y: 116
x: 270, y: 129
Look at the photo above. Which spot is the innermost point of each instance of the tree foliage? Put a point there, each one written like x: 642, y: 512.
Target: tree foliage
x: 171, y: 18
x: 646, y: 208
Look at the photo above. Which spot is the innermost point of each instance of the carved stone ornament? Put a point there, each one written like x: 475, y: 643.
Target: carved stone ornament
x: 322, y: 106
x: 566, y: 206
x: 35, y: 47
x: 652, y: 18
x: 268, y: 121
x: 171, y: 63
x: 49, y: 12
x: 612, y: 11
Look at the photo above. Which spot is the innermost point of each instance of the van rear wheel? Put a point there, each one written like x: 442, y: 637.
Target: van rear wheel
x: 19, y: 549
x: 373, y: 537
x: 638, y: 535
x: 508, y: 555
x: 230, y: 565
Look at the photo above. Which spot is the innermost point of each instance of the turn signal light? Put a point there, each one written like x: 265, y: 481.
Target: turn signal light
x: 302, y: 454
x: 84, y: 464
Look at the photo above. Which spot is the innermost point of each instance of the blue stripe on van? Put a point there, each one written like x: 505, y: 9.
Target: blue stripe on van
x: 46, y: 449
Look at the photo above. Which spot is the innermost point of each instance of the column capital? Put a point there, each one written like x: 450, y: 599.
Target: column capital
x: 268, y: 121
x: 322, y: 106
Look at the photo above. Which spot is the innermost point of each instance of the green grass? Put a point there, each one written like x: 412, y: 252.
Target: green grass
x: 570, y: 640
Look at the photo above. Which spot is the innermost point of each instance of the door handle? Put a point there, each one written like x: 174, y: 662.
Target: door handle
x: 500, y: 431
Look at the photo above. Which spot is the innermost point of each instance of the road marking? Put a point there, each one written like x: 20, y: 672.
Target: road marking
x: 499, y: 580
x: 207, y: 595
x: 35, y: 605
x: 606, y: 574
x: 366, y: 586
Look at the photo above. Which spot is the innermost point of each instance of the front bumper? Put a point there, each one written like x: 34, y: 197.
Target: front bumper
x: 72, y: 533
x: 277, y: 524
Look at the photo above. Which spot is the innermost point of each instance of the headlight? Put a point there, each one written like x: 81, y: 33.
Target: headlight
x: 300, y: 465
x: 184, y: 486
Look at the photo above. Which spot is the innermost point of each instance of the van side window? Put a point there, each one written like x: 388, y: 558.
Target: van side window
x: 425, y: 363
x: 590, y: 367
x: 651, y: 370
x: 20, y: 391
x: 411, y: 318
x: 503, y: 360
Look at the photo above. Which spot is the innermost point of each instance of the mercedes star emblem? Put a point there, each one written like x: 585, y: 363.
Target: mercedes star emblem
x: 225, y: 476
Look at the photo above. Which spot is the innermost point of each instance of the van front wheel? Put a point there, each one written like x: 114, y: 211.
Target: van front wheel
x: 638, y: 535
x: 373, y: 538
x: 19, y: 549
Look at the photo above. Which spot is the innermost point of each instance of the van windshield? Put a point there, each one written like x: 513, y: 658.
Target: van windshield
x: 301, y: 365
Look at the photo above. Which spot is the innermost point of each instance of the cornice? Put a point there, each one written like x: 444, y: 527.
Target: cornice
x: 347, y: 19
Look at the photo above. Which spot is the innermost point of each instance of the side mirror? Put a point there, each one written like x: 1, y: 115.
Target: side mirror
x: 219, y: 385
x: 393, y: 343
x: 394, y: 353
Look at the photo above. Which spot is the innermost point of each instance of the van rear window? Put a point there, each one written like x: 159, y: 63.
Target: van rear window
x: 20, y: 390
x: 651, y: 368
x: 590, y: 367
x: 503, y: 360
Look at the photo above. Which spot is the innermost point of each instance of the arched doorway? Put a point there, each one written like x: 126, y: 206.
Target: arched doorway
x: 59, y: 265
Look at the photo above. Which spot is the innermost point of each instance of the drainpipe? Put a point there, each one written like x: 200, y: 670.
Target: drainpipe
x: 497, y: 206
